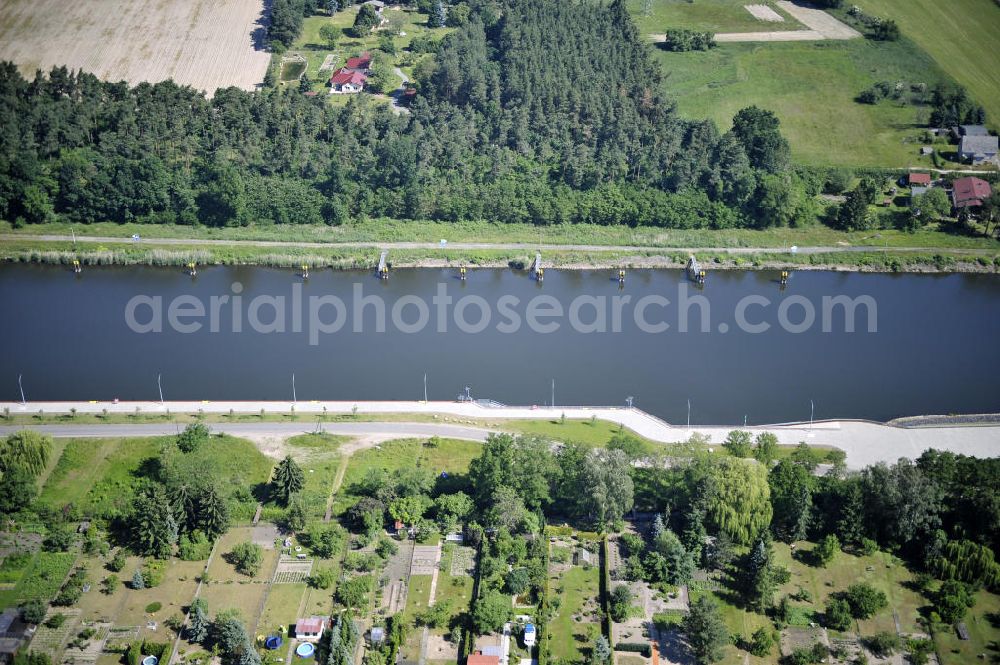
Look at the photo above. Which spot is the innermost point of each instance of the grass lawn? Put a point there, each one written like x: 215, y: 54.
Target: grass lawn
x: 886, y: 573
x: 127, y: 606
x: 317, y: 455
x: 385, y: 230
x: 741, y: 623
x: 222, y: 571
x: 595, y: 434
x: 244, y: 596
x: 281, y: 609
x: 960, y: 35
x: 418, y: 594
x: 84, y: 462
x: 450, y: 455
x: 319, y: 601
x: 881, y: 570
x: 14, y: 566
x: 707, y: 15
x: 279, y: 617
x: 99, y: 475
x: 983, y: 622
x: 569, y: 638
x: 811, y: 87
x: 175, y: 593
x: 55, y: 454
x: 455, y: 590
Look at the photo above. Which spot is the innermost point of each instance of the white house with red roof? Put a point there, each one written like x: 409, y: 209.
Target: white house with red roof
x: 310, y: 629
x: 351, y: 78
x: 346, y: 81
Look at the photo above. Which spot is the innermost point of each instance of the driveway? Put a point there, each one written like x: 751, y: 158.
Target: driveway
x: 397, y: 94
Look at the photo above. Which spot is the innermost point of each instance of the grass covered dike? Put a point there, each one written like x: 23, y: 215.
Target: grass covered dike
x: 354, y: 247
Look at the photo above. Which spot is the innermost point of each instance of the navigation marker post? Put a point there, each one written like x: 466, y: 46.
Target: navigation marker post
x: 23, y: 401
x: 160, y: 388
x: 294, y: 400
x: 425, y: 387
x: 812, y: 412
x: 689, y: 413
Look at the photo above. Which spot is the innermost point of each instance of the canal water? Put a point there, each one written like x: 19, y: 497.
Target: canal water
x: 741, y: 348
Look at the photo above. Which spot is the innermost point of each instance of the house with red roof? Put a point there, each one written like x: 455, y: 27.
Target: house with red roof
x: 920, y: 179
x: 352, y: 77
x: 969, y: 192
x: 481, y: 659
x: 310, y: 629
x: 345, y: 80
x: 361, y: 63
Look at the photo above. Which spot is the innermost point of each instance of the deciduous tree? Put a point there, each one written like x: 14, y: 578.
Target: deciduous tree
x: 491, y: 612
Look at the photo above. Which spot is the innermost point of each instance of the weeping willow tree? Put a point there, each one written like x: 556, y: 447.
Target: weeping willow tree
x: 25, y: 450
x: 969, y: 562
x: 738, y: 500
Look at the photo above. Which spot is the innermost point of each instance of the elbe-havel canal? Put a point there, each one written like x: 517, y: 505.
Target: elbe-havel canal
x: 742, y: 347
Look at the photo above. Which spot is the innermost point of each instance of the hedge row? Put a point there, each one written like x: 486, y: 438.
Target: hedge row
x: 635, y: 647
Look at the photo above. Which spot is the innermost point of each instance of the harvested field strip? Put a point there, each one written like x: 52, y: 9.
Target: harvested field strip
x: 203, y: 44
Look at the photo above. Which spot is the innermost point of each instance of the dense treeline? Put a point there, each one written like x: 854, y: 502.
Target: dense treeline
x: 286, y: 21
x: 506, y: 127
x: 941, y: 511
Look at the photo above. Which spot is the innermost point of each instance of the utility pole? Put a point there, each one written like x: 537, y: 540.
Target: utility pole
x: 160, y: 387
x: 23, y: 402
x: 294, y: 400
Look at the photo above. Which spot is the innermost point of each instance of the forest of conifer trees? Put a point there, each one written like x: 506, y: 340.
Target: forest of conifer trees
x: 536, y: 111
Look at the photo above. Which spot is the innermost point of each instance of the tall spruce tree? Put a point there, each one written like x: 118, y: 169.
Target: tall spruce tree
x: 288, y: 479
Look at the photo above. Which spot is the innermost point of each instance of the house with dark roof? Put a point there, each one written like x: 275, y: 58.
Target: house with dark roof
x: 972, y: 130
x: 969, y: 192
x: 979, y: 149
x: 12, y: 634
